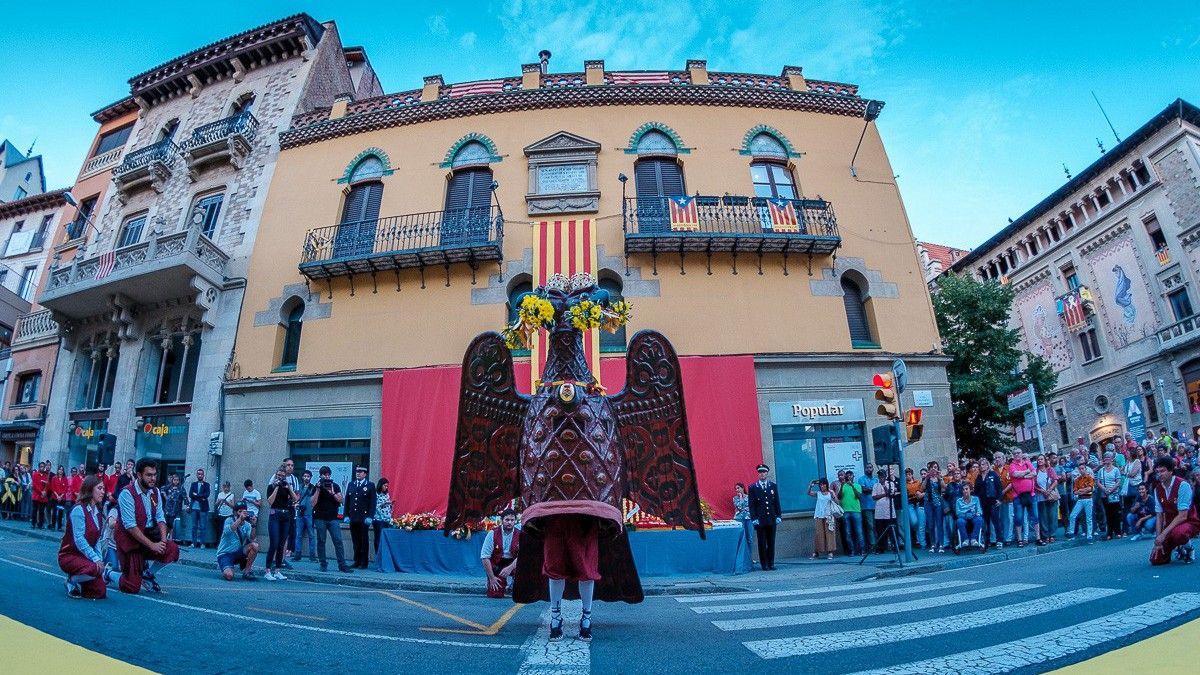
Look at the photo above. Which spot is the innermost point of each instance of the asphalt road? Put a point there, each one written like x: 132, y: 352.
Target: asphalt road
x: 1027, y: 615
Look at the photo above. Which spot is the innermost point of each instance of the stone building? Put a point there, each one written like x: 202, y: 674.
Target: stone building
x: 449, y: 198
x: 147, y: 293
x: 1105, y: 272
x: 937, y: 259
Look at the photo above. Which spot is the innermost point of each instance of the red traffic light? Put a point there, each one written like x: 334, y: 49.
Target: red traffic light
x: 913, y: 416
x: 882, y: 380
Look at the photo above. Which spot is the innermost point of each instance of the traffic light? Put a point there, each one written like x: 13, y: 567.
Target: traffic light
x: 885, y: 392
x: 912, y: 423
x: 886, y: 444
x: 106, y: 448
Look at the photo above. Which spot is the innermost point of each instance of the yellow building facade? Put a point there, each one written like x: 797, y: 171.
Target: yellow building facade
x: 398, y: 228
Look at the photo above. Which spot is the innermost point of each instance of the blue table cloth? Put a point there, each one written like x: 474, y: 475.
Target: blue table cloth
x: 656, y: 553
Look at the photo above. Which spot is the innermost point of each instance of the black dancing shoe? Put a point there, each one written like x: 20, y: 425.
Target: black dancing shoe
x: 556, y: 631
x: 152, y: 582
x: 585, y: 627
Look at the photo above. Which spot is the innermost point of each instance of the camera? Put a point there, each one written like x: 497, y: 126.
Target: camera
x: 325, y: 483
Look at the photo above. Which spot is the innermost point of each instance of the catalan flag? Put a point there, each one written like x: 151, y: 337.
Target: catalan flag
x: 781, y: 216
x: 640, y: 78
x: 685, y: 217
x: 475, y: 88
x: 565, y: 247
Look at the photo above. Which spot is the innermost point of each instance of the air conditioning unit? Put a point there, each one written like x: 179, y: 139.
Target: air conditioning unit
x: 216, y: 443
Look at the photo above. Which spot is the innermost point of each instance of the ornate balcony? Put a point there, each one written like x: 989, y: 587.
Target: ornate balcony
x: 228, y: 140
x: 101, y: 162
x: 150, y: 166
x: 730, y: 224
x: 35, y: 330
x: 415, y: 240
x: 1179, y: 334
x: 168, y: 267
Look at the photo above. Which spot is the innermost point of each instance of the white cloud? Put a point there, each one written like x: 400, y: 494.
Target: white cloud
x: 437, y: 25
x: 467, y: 41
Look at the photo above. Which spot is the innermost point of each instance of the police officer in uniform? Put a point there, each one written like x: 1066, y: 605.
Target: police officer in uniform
x: 360, y: 506
x: 765, y: 515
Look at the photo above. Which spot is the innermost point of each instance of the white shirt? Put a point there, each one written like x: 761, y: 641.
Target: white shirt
x: 489, y: 543
x: 821, y: 510
x: 251, y: 507
x: 1183, y: 500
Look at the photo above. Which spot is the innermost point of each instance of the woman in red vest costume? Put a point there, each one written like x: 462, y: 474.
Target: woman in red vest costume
x: 499, y: 553
x: 141, y: 536
x: 1177, y: 517
x: 79, y: 555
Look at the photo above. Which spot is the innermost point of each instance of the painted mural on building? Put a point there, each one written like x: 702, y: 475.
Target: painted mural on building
x: 1122, y: 297
x: 1043, y: 329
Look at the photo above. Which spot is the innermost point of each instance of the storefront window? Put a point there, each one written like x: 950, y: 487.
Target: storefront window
x: 83, y: 441
x: 163, y: 438
x: 804, y: 453
x: 341, y: 443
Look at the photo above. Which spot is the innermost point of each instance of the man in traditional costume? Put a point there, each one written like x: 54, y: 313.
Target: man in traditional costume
x: 499, y: 553
x: 141, y: 536
x: 1177, y: 520
x: 571, y: 453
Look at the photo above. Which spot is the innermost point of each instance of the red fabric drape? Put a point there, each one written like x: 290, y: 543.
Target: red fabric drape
x: 420, y: 409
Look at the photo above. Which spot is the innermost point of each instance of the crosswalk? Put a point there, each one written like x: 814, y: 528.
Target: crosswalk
x: 827, y: 620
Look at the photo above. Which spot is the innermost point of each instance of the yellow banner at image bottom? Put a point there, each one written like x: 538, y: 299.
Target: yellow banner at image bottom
x: 1172, y: 651
x: 27, y: 650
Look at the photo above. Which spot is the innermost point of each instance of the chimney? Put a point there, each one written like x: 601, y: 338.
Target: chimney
x: 698, y: 71
x: 338, y: 109
x: 593, y: 72
x: 433, y: 88
x: 531, y: 76
x: 795, y: 78
x: 544, y: 59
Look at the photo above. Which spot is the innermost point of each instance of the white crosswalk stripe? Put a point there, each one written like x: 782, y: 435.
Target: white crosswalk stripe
x: 1055, y: 644
x: 873, y: 637
x: 814, y: 602
x: 816, y: 590
x: 876, y: 610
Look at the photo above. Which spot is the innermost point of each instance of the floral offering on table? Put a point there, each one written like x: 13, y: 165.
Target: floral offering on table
x: 418, y: 521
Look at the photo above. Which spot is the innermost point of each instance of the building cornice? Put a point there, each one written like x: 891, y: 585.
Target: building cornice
x: 1105, y: 237
x: 34, y: 203
x: 405, y: 113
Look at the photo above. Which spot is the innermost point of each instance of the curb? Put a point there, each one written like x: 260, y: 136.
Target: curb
x: 703, y: 587
x: 959, y: 562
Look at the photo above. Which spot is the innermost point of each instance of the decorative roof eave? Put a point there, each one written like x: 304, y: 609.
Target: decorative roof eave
x: 1179, y: 109
x: 542, y: 99
x: 172, y: 77
x: 34, y: 203
x: 115, y: 110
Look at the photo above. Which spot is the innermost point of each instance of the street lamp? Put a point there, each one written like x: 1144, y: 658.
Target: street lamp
x: 87, y: 218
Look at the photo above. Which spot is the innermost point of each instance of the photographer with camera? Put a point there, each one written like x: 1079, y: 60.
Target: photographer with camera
x: 280, y: 496
x: 236, y: 547
x: 325, y: 501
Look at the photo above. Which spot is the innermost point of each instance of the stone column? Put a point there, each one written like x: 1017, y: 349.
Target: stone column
x: 216, y: 346
x: 52, y: 442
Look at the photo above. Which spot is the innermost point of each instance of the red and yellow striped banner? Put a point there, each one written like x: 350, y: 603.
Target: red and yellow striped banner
x: 565, y: 247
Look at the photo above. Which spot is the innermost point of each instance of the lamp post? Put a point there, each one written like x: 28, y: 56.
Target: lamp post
x: 87, y: 218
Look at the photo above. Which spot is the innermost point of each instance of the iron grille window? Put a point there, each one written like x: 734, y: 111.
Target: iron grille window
x: 174, y: 357
x: 468, y: 207
x: 112, y: 140
x: 856, y: 315
x: 360, y: 219
x: 206, y: 212
x: 131, y: 232
x: 772, y: 180
x: 96, y: 377
x: 78, y: 226
x: 291, y: 338
x: 39, y: 238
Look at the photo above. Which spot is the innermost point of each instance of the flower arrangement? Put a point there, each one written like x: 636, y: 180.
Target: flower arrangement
x: 584, y: 308
x: 418, y: 521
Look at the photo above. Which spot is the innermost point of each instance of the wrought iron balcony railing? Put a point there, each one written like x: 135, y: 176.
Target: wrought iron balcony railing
x: 413, y: 240
x: 242, y: 124
x: 162, y: 152
x: 730, y: 224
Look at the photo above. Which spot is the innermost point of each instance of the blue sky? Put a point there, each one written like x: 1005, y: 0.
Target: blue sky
x: 985, y: 101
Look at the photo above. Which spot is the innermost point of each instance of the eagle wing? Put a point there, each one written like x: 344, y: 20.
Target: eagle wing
x: 485, y: 474
x: 652, y: 425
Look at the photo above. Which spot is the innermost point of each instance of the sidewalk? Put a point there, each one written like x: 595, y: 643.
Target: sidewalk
x: 791, y: 573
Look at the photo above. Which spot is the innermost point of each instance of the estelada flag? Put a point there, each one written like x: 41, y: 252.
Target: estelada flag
x: 684, y: 214
x: 1071, y: 308
x: 782, y: 215
x: 565, y: 247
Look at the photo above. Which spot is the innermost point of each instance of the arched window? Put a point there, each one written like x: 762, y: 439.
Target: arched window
x: 612, y: 342
x: 168, y: 130
x: 656, y: 143
x: 360, y: 214
x: 244, y: 104
x: 468, y: 196
x: 657, y: 177
x: 766, y: 145
x: 292, y: 325
x: 521, y: 285
x: 856, y: 315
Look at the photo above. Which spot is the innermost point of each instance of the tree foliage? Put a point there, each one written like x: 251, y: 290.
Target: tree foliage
x: 973, y: 317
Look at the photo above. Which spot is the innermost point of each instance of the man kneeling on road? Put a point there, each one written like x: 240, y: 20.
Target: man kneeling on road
x: 1176, y: 516
x: 142, y: 536
x: 499, y: 553
x: 237, y: 548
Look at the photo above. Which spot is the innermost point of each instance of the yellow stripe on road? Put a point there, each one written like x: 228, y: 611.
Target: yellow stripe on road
x: 435, y: 610
x: 27, y: 650
x: 1174, y: 649
x: 490, y: 630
